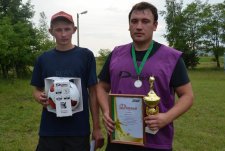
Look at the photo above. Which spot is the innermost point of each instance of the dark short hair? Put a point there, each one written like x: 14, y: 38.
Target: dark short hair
x: 142, y: 6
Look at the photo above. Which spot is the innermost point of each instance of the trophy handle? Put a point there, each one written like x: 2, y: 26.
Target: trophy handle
x: 152, y: 110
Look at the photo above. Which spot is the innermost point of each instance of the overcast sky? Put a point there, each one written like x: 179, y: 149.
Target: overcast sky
x: 106, y: 23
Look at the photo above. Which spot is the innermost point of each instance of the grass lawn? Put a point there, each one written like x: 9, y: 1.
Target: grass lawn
x: 19, y: 116
x: 200, y: 129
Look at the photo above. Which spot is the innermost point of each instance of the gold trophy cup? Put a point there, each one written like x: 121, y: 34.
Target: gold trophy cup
x: 151, y: 101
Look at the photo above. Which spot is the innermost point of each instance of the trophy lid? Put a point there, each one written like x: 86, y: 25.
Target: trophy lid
x: 151, y: 99
x: 152, y: 96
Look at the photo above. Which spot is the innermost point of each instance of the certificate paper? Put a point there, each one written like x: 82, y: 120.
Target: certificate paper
x: 127, y: 112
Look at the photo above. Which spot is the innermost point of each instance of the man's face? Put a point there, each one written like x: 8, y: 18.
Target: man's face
x: 62, y: 31
x: 142, y: 25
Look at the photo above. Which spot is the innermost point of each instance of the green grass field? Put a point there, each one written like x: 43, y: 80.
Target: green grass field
x: 201, y: 129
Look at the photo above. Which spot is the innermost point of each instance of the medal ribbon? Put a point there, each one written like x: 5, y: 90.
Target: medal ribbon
x: 139, y: 69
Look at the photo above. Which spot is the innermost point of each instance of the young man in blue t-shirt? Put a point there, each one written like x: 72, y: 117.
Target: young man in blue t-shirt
x: 67, y: 60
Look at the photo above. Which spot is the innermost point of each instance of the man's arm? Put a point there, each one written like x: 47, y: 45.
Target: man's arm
x: 103, y: 89
x: 182, y: 105
x: 94, y: 107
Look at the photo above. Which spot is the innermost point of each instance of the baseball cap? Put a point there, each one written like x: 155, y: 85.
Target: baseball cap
x: 62, y: 14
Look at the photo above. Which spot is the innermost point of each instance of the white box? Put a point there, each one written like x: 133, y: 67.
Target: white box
x: 58, y: 91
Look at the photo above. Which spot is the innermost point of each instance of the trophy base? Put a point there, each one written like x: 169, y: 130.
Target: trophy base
x: 148, y: 130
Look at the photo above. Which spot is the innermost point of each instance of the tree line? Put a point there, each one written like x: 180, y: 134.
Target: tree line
x: 20, y: 40
x: 197, y: 27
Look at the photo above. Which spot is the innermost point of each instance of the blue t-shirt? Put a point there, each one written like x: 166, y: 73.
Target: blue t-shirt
x: 76, y: 62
